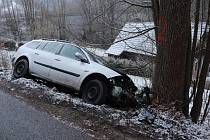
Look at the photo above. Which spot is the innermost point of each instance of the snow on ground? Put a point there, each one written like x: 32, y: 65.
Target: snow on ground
x: 5, y: 74
x: 7, y: 54
x: 29, y: 83
x: 163, y: 123
x: 5, y: 58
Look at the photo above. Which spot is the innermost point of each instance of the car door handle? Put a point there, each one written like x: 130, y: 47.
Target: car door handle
x: 57, y: 59
x: 36, y: 53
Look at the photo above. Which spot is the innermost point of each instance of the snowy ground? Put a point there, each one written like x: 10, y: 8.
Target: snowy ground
x: 163, y: 123
x: 5, y: 58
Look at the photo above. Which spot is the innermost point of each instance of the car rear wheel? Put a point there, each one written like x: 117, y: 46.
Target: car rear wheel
x: 21, y: 69
x: 95, y: 92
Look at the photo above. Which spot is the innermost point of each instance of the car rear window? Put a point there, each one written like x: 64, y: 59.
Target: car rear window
x: 33, y: 44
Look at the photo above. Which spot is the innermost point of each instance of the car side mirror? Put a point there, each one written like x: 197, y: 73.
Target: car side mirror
x: 81, y: 57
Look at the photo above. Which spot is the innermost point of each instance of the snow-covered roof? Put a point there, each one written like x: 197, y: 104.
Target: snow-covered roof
x: 143, y: 44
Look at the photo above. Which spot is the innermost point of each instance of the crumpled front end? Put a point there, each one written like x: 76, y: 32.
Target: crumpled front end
x: 123, y: 91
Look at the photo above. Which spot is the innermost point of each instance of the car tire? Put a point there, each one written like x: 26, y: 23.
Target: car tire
x: 95, y: 92
x: 21, y: 69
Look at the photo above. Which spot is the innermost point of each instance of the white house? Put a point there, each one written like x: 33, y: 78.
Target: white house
x: 129, y: 43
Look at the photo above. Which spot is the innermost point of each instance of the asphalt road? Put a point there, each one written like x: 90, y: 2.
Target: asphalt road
x: 20, y: 121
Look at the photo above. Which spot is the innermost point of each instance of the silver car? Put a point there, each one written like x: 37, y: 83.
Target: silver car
x: 72, y: 66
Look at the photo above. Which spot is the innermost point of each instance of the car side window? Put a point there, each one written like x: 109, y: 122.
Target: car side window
x: 70, y: 51
x: 41, y: 45
x: 52, y: 47
x: 33, y: 44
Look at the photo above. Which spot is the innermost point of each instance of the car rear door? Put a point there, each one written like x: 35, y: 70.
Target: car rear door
x: 43, y: 58
x: 67, y: 69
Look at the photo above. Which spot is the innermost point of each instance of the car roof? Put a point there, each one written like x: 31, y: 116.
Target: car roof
x: 56, y: 40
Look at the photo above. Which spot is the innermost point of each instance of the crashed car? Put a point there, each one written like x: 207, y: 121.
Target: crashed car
x: 70, y: 65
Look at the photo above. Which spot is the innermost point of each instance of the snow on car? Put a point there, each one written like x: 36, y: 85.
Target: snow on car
x: 72, y: 66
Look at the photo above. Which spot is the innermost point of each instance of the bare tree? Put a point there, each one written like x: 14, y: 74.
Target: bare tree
x: 173, y: 39
x: 61, y: 18
x: 29, y: 11
x: 88, y: 15
x: 200, y: 85
x: 11, y: 17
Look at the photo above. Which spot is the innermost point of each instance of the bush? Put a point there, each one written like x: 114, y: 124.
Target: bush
x: 8, y: 44
x: 140, y: 67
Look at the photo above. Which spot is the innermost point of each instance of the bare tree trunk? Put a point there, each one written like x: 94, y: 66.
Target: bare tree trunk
x: 61, y: 19
x: 112, y: 20
x: 190, y: 61
x: 29, y: 11
x: 174, y: 39
x: 198, y: 99
x: 194, y: 43
x: 12, y: 20
x: 206, y: 110
x: 188, y: 78
x: 156, y: 11
x: 197, y: 104
x: 87, y: 13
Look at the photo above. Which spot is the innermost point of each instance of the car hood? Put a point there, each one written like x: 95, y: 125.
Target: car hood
x: 124, y: 81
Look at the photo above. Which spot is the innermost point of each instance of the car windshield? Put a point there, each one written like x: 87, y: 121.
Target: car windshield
x: 96, y: 58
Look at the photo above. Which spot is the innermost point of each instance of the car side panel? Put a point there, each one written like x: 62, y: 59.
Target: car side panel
x: 67, y: 71
x: 42, y: 62
x: 87, y: 70
x: 96, y: 68
x: 34, y: 68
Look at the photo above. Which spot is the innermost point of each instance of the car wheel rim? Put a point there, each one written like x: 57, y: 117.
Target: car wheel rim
x: 92, y: 93
x: 20, y: 68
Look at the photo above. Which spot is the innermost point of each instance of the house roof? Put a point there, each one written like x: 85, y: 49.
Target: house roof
x: 143, y: 44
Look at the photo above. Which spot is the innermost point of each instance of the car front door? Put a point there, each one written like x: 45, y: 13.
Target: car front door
x: 67, y: 68
x: 43, y: 58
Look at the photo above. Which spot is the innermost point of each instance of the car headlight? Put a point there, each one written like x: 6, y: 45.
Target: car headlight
x: 124, y: 82
x: 117, y: 91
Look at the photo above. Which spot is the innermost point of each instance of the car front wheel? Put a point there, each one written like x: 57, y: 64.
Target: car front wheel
x: 21, y: 69
x: 95, y: 92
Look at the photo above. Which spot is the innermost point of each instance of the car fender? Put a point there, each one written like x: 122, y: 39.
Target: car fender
x: 95, y: 68
x: 18, y: 55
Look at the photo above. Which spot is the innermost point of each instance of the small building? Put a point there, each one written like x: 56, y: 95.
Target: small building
x: 134, y: 41
x: 131, y: 43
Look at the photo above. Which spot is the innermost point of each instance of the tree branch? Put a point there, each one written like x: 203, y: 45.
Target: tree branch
x: 136, y: 4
